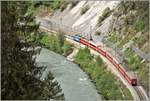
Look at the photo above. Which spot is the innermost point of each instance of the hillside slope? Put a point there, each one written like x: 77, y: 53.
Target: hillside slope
x: 121, y: 26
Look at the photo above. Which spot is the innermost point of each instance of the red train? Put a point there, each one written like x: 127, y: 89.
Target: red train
x: 132, y: 80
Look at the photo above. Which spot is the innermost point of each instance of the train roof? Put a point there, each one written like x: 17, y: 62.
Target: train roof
x: 93, y: 43
x: 131, y: 74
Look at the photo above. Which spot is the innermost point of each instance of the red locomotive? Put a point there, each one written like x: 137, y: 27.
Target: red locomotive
x: 132, y: 80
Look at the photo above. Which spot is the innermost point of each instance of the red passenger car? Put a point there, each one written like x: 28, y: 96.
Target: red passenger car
x: 131, y: 79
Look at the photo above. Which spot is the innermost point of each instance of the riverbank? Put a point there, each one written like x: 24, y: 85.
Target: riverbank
x: 107, y: 85
x: 94, y: 69
x: 74, y: 82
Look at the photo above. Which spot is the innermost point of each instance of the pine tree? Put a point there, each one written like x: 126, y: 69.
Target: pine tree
x: 20, y: 76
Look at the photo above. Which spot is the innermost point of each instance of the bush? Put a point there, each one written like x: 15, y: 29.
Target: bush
x: 104, y: 81
x: 100, y: 19
x: 140, y: 26
x: 73, y: 3
x: 113, y: 37
x: 56, y: 42
x: 84, y: 9
x: 83, y: 56
x: 98, y: 33
x: 45, y: 41
x: 99, y: 60
x: 67, y: 48
x: 64, y: 6
x: 135, y: 63
x: 105, y: 14
x: 132, y: 59
x: 57, y: 4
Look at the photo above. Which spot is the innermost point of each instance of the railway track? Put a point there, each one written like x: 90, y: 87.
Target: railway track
x: 140, y: 93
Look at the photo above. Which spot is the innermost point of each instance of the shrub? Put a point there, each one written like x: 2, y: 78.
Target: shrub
x: 98, y: 33
x: 73, y: 3
x: 67, y: 48
x: 100, y: 19
x: 105, y: 83
x: 45, y: 41
x: 83, y: 56
x: 105, y: 14
x: 140, y: 25
x: 64, y: 6
x: 132, y: 59
x: 56, y: 43
x: 113, y: 37
x: 84, y: 9
x: 57, y: 4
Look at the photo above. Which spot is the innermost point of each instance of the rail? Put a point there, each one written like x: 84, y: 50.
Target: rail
x: 140, y: 94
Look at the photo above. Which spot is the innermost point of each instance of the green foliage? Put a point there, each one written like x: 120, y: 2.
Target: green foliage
x: 135, y: 63
x: 113, y: 37
x: 142, y: 41
x: 36, y: 4
x: 135, y: 16
x: 140, y: 26
x: 56, y: 4
x: 105, y: 14
x: 45, y: 40
x: 108, y: 88
x: 20, y: 76
x: 55, y: 42
x: 53, y: 4
x: 54, y: 91
x: 73, y: 4
x: 83, y: 56
x: 51, y: 42
x: 84, y: 9
x: 100, y: 19
x: 99, y: 60
x: 143, y: 74
x: 64, y: 6
x: 133, y: 60
x: 61, y: 38
x: 105, y: 82
x: 139, y: 41
x: 98, y: 33
x: 67, y: 48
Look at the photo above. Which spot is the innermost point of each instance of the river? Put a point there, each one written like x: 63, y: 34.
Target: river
x: 74, y: 82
